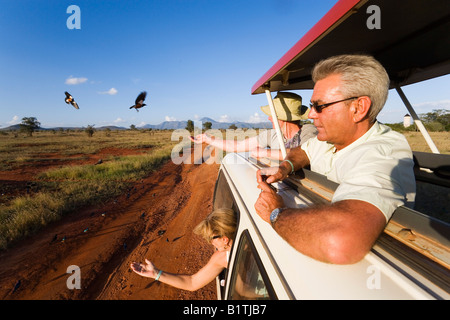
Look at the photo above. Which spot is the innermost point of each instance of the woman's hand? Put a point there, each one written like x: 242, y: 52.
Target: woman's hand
x: 146, y: 270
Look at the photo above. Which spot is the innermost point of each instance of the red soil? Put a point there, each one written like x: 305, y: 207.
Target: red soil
x: 154, y: 220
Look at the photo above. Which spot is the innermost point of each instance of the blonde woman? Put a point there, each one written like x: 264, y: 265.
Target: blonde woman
x: 219, y: 229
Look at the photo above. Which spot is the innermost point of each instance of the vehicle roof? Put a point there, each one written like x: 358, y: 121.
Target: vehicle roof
x: 413, y: 42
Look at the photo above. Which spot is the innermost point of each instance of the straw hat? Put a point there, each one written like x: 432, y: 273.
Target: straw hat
x: 288, y: 107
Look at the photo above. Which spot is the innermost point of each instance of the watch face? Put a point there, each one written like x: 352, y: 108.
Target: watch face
x: 274, y: 214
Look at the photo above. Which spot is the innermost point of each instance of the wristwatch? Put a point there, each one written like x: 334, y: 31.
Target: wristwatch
x: 275, y: 214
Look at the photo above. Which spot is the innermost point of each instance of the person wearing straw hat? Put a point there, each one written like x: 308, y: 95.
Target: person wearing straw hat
x: 291, y: 114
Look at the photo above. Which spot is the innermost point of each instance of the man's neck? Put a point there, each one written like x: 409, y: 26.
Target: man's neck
x: 360, y: 130
x: 289, y: 129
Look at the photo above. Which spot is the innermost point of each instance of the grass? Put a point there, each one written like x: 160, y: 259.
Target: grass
x: 24, y: 149
x: 121, y: 168
x: 65, y: 189
x: 69, y: 188
x: 418, y: 143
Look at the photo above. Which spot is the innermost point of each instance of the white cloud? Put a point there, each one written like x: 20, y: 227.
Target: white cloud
x: 167, y: 118
x: 256, y: 117
x: 111, y: 91
x: 432, y: 105
x: 74, y: 81
x: 118, y: 120
x: 224, y: 118
x: 15, y: 120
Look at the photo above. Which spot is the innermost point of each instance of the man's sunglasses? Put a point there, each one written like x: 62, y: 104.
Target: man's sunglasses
x: 320, y: 107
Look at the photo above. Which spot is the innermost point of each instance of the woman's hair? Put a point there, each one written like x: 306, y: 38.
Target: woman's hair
x: 361, y: 75
x: 220, y: 222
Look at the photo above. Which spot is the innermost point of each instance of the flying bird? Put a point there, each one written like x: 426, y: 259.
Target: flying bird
x: 70, y: 100
x: 139, y: 103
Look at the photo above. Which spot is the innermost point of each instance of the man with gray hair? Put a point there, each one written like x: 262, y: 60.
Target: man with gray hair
x: 371, y: 163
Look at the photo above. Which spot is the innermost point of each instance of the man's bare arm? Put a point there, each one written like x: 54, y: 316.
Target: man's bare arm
x: 340, y: 233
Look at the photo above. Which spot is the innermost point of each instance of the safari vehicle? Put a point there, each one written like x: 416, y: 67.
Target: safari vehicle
x: 411, y: 258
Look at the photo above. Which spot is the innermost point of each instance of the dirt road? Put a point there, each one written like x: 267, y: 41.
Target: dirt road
x: 153, y: 220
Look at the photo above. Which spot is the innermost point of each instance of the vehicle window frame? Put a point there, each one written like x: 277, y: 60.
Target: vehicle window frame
x: 245, y: 237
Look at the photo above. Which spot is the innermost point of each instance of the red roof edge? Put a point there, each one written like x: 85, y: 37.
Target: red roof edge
x: 330, y: 18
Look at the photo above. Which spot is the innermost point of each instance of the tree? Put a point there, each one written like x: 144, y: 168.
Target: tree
x: 29, y: 124
x: 190, y: 126
x: 90, y: 130
x: 438, y: 119
x: 207, y: 125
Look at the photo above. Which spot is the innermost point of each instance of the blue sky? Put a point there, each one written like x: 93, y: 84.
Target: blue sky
x: 195, y: 58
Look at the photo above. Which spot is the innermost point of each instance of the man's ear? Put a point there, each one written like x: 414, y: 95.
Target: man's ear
x: 360, y: 108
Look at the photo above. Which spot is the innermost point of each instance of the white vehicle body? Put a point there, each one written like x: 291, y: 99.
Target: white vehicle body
x: 288, y: 274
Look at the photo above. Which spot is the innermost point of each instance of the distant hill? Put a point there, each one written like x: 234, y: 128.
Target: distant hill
x: 17, y: 127
x: 172, y: 125
x: 168, y: 125
x: 12, y: 128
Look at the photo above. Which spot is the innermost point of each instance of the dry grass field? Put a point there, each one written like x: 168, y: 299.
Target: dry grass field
x: 418, y: 143
x: 47, y: 146
x: 49, y: 174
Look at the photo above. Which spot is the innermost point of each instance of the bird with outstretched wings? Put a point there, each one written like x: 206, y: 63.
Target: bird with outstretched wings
x: 70, y: 100
x: 139, y: 103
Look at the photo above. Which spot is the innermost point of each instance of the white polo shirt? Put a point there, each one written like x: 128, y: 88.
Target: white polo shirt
x: 376, y: 168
